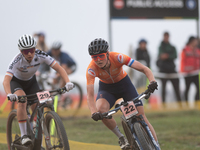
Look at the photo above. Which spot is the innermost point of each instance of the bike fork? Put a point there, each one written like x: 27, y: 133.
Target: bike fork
x: 152, y: 138
x: 135, y: 137
x: 46, y: 133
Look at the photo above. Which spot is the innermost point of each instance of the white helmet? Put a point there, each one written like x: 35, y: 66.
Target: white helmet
x: 56, y: 45
x: 26, y: 42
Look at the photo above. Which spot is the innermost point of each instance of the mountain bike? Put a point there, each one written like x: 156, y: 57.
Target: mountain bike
x: 73, y: 100
x: 49, y: 126
x: 136, y: 130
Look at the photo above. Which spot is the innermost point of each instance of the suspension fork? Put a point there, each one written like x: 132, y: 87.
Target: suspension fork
x: 130, y: 124
x: 147, y: 129
x: 43, y: 124
x: 46, y: 133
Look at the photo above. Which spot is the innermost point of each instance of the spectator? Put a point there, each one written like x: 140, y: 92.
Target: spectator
x: 41, y: 44
x: 190, y: 62
x: 167, y: 55
x: 142, y: 56
x: 142, y: 53
x: 62, y: 57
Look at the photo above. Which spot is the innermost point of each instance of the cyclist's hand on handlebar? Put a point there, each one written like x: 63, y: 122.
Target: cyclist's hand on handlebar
x: 97, y: 116
x: 152, y: 86
x: 69, y: 86
x: 12, y: 97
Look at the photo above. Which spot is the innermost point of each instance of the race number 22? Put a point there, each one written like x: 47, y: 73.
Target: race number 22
x: 129, y: 110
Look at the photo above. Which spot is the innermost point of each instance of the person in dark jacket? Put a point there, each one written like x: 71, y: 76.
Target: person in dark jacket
x: 142, y: 52
x: 166, y: 56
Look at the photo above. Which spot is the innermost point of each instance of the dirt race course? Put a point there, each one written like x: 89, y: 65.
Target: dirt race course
x: 75, y: 145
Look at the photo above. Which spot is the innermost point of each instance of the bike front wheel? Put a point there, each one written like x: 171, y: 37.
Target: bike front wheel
x: 145, y: 140
x: 56, y: 130
x: 13, y: 131
x: 129, y: 135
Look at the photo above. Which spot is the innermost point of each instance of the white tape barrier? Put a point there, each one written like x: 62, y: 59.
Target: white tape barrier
x: 174, y: 75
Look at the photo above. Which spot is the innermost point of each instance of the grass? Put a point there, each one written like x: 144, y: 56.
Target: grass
x: 178, y: 130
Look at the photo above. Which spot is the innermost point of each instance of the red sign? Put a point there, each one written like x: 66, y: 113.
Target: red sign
x: 118, y: 4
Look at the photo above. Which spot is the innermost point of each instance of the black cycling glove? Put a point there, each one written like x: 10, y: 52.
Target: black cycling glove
x: 97, y: 116
x: 152, y: 86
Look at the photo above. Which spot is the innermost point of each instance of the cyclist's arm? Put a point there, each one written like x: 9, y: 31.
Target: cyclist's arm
x: 62, y: 72
x: 144, y: 69
x: 6, y: 84
x: 67, y: 69
x: 90, y: 98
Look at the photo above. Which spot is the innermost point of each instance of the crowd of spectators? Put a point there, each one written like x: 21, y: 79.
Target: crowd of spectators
x: 167, y: 54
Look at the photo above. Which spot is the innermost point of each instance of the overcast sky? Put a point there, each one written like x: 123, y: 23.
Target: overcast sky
x: 76, y: 23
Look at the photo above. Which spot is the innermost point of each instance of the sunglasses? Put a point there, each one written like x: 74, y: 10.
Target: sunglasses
x: 25, y: 52
x: 99, y: 56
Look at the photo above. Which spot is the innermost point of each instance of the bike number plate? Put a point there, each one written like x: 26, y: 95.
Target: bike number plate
x: 129, y: 110
x: 44, y: 96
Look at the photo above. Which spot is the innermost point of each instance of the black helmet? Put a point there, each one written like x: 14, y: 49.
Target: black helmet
x: 98, y: 46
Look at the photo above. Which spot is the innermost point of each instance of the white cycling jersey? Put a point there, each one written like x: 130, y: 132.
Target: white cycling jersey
x: 23, y: 70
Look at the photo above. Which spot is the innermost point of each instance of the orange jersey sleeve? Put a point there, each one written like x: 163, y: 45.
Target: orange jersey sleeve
x: 91, y: 73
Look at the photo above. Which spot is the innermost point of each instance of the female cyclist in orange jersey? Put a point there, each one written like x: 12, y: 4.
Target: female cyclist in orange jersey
x: 114, y: 84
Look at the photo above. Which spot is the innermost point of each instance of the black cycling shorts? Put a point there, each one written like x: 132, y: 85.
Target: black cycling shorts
x: 29, y: 86
x: 122, y: 89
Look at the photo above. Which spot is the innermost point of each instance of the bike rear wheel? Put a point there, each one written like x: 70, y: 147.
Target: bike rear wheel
x: 128, y: 134
x: 12, y: 130
x: 145, y: 140
x: 56, y: 130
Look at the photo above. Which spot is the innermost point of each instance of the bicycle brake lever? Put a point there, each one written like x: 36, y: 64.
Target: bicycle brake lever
x: 147, y: 96
x: 109, y: 117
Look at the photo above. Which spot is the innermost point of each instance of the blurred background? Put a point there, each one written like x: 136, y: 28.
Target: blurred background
x: 76, y: 23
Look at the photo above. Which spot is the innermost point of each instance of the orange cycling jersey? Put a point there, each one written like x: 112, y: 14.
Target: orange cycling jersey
x: 117, y: 60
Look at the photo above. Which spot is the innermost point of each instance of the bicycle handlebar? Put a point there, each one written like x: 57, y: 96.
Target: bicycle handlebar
x: 56, y: 92
x: 146, y: 94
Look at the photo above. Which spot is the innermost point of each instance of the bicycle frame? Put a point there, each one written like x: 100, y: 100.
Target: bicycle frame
x: 133, y: 119
x: 36, y: 138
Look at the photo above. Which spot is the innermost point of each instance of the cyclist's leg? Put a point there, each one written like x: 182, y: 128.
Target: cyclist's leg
x: 104, y: 106
x: 141, y: 112
x: 22, y: 119
x: 17, y: 87
x: 21, y: 114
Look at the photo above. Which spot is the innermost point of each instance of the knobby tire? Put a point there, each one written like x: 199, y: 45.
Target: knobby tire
x: 128, y: 134
x: 11, y: 117
x: 59, y: 127
x: 143, y: 137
